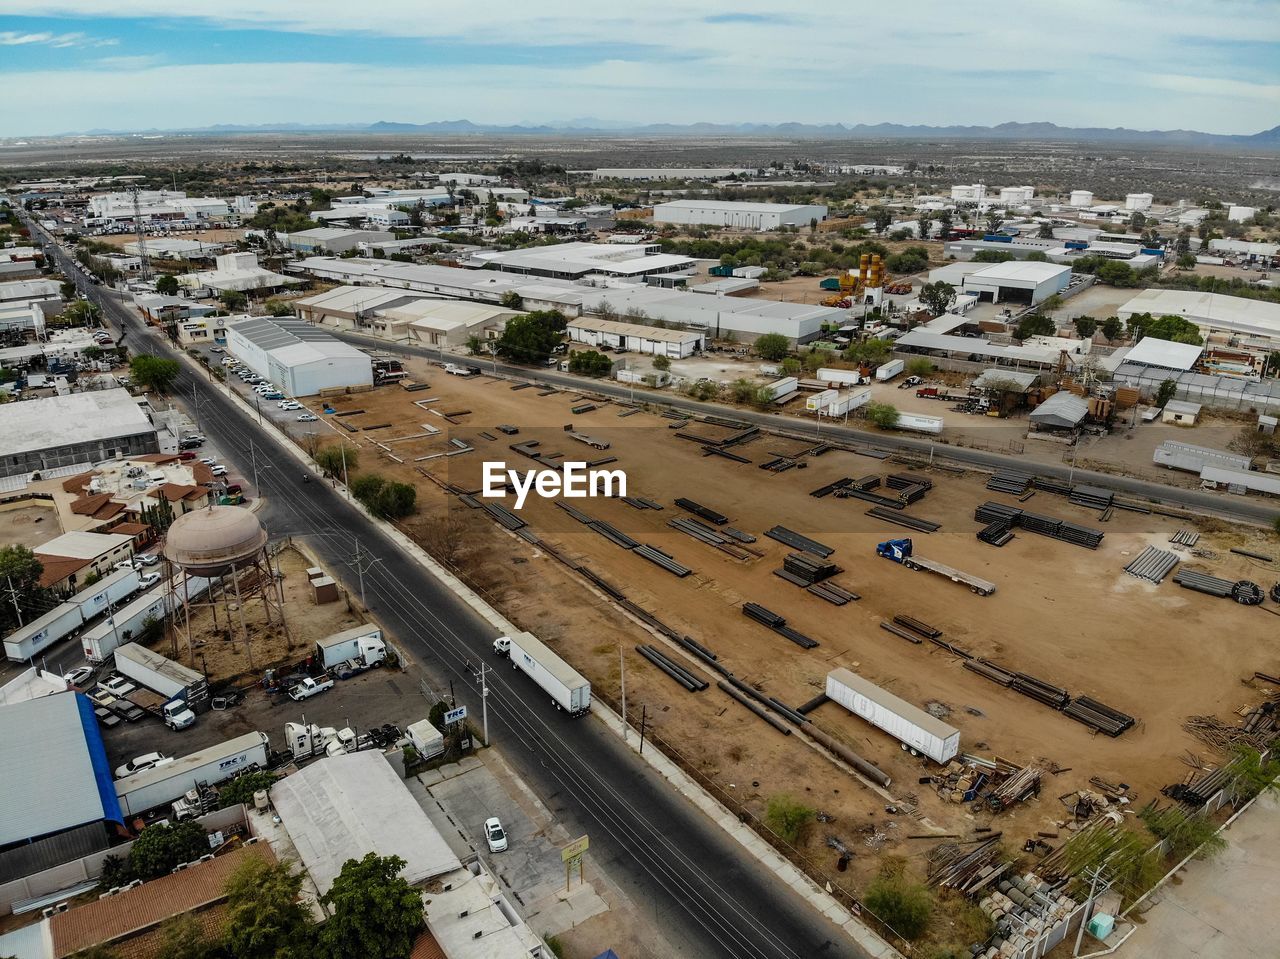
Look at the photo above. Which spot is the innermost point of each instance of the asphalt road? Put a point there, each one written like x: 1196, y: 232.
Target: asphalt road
x: 684, y: 875
x: 1237, y: 508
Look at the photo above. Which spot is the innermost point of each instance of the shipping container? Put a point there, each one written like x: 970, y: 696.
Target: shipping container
x: 40, y: 634
x: 847, y: 377
x: 783, y: 387
x: 910, y: 725
x: 100, y: 640
x: 820, y: 401
x: 997, y: 238
x: 360, y: 642
x: 1076, y: 245
x: 163, y: 784
x: 426, y: 739
x: 161, y: 674
x: 887, y: 371
x: 918, y: 423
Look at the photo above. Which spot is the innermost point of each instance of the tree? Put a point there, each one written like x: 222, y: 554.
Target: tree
x: 1086, y: 326
x: 265, y: 920
x: 511, y: 300
x: 1186, y: 261
x: 662, y: 363
x: 923, y: 225
x: 91, y: 353
x: 938, y: 297
x: 1037, y: 256
x: 903, y: 906
x: 182, y: 937
x: 883, y: 415
x: 367, y: 488
x: 1137, y: 222
x: 790, y: 365
x: 590, y: 363
x: 20, y: 573
x: 908, y: 261
x: 279, y: 308
x: 1111, y: 328
x: 993, y: 256
x: 1052, y: 302
x: 531, y: 337
x: 233, y: 300
x: 1177, y: 329
x: 397, y: 500
x: 1165, y: 392
x: 788, y: 817
x: 994, y: 221
x: 337, y: 459
x: 153, y: 372
x: 772, y: 346
x: 1116, y: 273
x: 82, y: 313
x: 920, y: 366
x: 944, y: 223
x: 167, y: 284
x: 881, y: 217
x: 161, y: 847
x: 376, y: 913
x: 1046, y: 230
x: 1034, y: 324
x: 872, y: 351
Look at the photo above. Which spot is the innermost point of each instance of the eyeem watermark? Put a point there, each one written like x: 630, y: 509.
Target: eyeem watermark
x: 572, y: 481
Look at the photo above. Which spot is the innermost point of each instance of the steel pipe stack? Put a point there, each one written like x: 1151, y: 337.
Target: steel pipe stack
x: 1153, y: 564
x: 1009, y: 481
x: 1204, y: 583
x: 1185, y: 537
x: 1100, y: 716
x: 689, y: 680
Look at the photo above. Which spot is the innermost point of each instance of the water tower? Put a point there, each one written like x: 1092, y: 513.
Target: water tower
x: 219, y: 556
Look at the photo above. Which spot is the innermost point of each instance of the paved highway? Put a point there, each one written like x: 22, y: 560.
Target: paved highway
x: 684, y: 875
x: 1241, y: 509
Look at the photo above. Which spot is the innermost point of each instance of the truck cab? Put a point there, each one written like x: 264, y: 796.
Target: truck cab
x: 178, y: 715
x: 310, y: 687
x: 502, y: 645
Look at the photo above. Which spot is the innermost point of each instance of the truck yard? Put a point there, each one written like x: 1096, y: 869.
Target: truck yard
x: 1029, y: 675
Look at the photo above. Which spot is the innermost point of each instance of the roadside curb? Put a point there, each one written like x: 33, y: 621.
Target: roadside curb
x: 793, y: 877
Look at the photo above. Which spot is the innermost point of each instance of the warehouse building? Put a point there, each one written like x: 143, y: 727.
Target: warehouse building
x: 442, y: 322
x: 334, y: 240
x: 301, y: 359
x: 572, y: 261
x: 1018, y: 282
x: 351, y: 307
x: 738, y: 216
x: 57, y: 800
x: 675, y: 344
x: 1250, y: 326
x: 176, y: 248
x: 1138, y: 202
x: 235, y: 271
x: 75, y: 429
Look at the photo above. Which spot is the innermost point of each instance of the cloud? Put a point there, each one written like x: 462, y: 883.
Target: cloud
x: 1216, y: 87
x: 12, y: 38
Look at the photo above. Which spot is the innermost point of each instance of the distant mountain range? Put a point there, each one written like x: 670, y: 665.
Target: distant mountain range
x: 1266, y: 140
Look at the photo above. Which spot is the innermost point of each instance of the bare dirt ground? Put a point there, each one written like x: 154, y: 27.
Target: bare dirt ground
x: 227, y: 660
x: 1063, y: 613
x: 29, y: 526
x: 207, y: 236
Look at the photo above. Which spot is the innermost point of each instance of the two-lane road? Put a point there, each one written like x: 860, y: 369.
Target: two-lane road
x: 699, y: 890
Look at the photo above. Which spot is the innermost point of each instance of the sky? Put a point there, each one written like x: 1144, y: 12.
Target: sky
x: 70, y: 66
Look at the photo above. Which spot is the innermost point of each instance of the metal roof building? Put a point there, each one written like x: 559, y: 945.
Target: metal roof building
x: 55, y: 784
x: 1164, y: 354
x: 742, y: 216
x: 57, y: 431
x: 1061, y: 411
x: 1019, y: 281
x: 570, y: 261
x: 343, y: 807
x: 1248, y: 324
x: 675, y: 344
x: 299, y: 358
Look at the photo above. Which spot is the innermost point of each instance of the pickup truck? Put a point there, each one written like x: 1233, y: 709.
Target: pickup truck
x: 310, y: 687
x: 457, y: 370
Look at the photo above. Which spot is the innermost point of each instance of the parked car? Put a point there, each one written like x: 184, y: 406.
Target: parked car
x: 126, y: 565
x: 147, y: 580
x: 190, y: 444
x: 117, y: 686
x: 218, y: 470
x: 142, y: 763
x: 100, y: 697
x: 209, y: 460
x: 307, y: 418
x: 186, y: 456
x: 494, y: 835
x: 79, y: 676
x: 149, y: 559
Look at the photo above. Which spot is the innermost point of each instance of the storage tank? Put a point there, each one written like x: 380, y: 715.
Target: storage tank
x: 212, y: 541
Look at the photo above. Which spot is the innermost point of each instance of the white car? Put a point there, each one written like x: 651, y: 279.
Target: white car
x: 307, y: 418
x: 494, y: 835
x: 149, y: 559
x: 291, y: 406
x: 148, y: 580
x: 126, y: 564
x: 218, y: 470
x: 208, y: 461
x: 142, y: 763
x: 79, y: 676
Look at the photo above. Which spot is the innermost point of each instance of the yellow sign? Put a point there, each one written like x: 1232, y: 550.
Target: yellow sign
x: 575, y: 849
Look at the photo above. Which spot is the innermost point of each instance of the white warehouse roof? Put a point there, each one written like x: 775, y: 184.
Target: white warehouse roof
x: 732, y: 206
x: 293, y: 342
x: 1164, y: 353
x: 1020, y: 272
x: 66, y: 420
x: 1212, y: 310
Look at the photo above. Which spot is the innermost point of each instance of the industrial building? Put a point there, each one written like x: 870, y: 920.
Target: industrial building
x: 351, y: 307
x: 1018, y: 282
x: 57, y: 800
x: 235, y: 271
x: 30, y: 291
x: 442, y: 323
x: 75, y: 429
x: 1079, y: 198
x: 1017, y: 195
x: 169, y: 208
x: 670, y: 173
x: 334, y: 240
x: 369, y: 214
x: 1138, y: 202
x: 301, y: 359
x: 176, y: 248
x: 572, y: 261
x: 1250, y: 326
x: 675, y: 344
x: 969, y: 193
x: 738, y: 216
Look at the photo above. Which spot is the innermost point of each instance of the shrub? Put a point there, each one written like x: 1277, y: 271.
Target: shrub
x: 883, y: 415
x: 902, y: 905
x: 788, y: 817
x: 919, y: 367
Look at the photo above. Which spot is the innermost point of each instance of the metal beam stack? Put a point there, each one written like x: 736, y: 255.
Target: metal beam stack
x: 796, y: 540
x: 1153, y: 564
x: 685, y: 677
x: 1009, y: 481
x: 1185, y: 537
x: 767, y: 617
x: 1100, y: 716
x: 710, y: 515
x: 1068, y: 532
x: 1091, y: 497
x: 902, y: 519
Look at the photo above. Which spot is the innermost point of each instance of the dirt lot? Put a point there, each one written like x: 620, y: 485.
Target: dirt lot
x: 28, y: 525
x: 1062, y: 613
x: 227, y: 660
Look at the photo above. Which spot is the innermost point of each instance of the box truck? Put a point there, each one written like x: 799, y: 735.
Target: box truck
x: 364, y: 643
x: 566, y: 686
x: 162, y: 675
x: 917, y: 731
x: 887, y: 371
x: 100, y: 640
x: 164, y: 784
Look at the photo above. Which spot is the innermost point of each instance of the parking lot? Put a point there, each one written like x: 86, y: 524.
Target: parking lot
x: 271, y: 405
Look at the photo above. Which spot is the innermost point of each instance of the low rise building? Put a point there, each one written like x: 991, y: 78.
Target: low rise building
x: 1018, y: 282
x: 301, y: 359
x: 572, y: 261
x: 1251, y: 326
x: 334, y: 240
x: 675, y: 344
x: 670, y: 173
x: 78, y: 428
x: 739, y: 216
x: 236, y: 271
x: 71, y: 557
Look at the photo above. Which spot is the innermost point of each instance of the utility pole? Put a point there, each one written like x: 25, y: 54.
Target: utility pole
x: 253, y: 459
x: 13, y: 595
x: 361, y: 569
x: 484, y: 700
x: 1088, y: 908
x: 622, y: 668
x: 644, y: 712
x: 345, y: 484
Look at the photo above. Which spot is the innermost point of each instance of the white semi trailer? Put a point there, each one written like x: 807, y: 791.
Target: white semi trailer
x: 164, y: 784
x: 915, y: 729
x: 568, y: 689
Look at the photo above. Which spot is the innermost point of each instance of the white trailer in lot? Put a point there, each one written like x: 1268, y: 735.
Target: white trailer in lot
x: 568, y: 689
x: 364, y: 643
x: 105, y: 593
x: 39, y: 634
x: 163, y: 784
x: 161, y: 675
x: 919, y: 423
x: 101, y: 639
x: 843, y: 377
x: 914, y: 728
x: 426, y: 739
x: 784, y: 387
x: 887, y: 371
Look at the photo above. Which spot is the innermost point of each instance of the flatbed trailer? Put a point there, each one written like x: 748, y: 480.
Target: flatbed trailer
x: 976, y: 583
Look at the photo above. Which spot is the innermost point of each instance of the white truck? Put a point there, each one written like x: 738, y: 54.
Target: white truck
x: 887, y: 371
x: 362, y: 643
x: 426, y: 739
x: 568, y: 689
x: 165, y: 784
x: 457, y: 370
x: 106, y: 593
x: 917, y: 731
x: 184, y: 689
x: 38, y: 635
x: 310, y: 687
x: 101, y: 640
